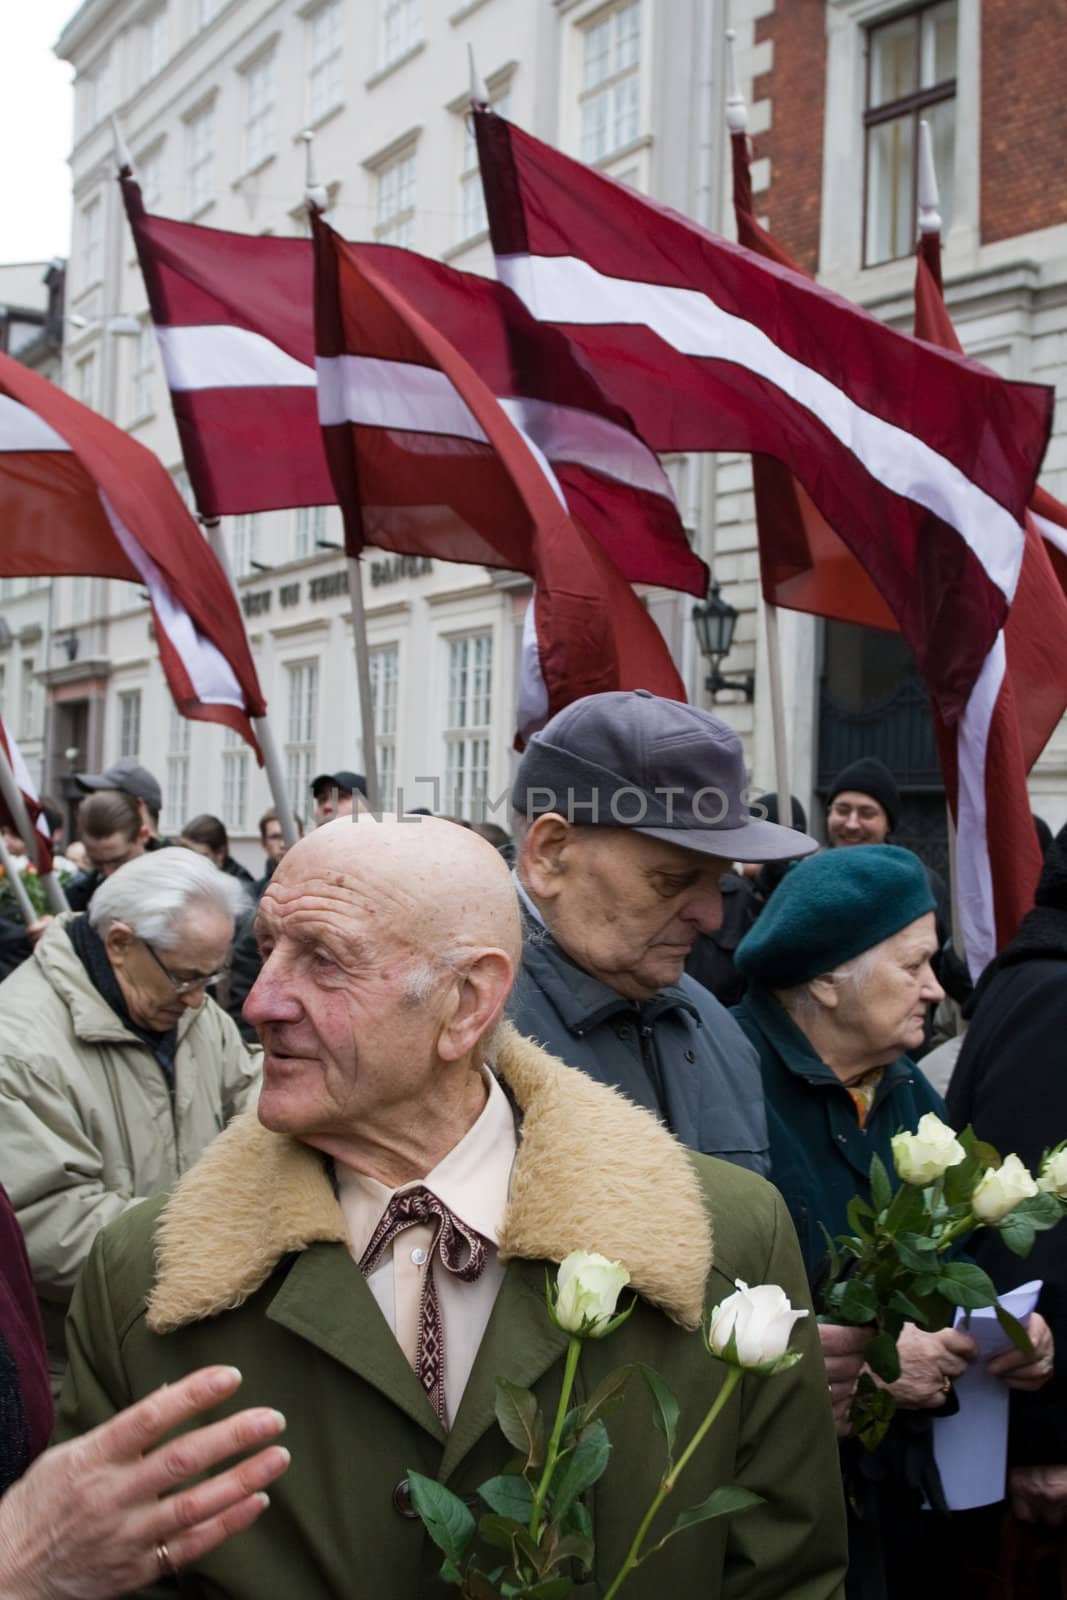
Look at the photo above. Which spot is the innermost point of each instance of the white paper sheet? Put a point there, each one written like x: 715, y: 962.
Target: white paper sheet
x: 971, y: 1448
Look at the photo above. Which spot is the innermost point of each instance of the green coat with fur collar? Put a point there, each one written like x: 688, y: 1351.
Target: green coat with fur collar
x: 247, y: 1263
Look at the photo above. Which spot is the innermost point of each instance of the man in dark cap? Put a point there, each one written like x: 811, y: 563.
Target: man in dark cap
x: 129, y: 777
x: 863, y: 806
x: 629, y: 809
x: 336, y: 794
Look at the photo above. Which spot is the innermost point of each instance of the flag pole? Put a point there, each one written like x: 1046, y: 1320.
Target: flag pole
x: 212, y: 527
x: 737, y: 123
x: 18, y: 888
x: 316, y: 198
x: 16, y: 805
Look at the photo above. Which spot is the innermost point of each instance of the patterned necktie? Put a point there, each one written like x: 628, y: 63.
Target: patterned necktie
x: 461, y: 1251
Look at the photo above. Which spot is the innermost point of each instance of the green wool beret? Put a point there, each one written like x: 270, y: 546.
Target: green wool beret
x: 830, y: 908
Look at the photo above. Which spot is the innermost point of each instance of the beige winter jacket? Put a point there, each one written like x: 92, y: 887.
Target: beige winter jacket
x: 88, y: 1126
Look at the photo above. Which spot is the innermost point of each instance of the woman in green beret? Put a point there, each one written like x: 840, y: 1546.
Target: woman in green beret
x: 840, y: 980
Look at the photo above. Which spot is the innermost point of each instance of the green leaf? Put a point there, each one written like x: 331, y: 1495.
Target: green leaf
x: 883, y: 1358
x: 963, y: 1284
x: 665, y: 1412
x: 856, y: 1301
x: 729, y: 1500
x: 1041, y: 1211
x: 476, y: 1586
x: 871, y: 1413
x: 881, y: 1189
x: 1015, y: 1331
x: 521, y: 1421
x: 581, y: 1469
x: 509, y: 1496
x: 446, y: 1519
x: 899, y: 1301
x: 499, y: 1531
x: 907, y: 1210
x: 607, y: 1394
x: 578, y: 1521
x: 550, y: 1589
x: 575, y: 1548
x: 1018, y: 1233
x: 915, y: 1251
x: 859, y: 1213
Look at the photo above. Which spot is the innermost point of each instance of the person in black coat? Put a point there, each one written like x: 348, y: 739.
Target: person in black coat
x: 1010, y: 1083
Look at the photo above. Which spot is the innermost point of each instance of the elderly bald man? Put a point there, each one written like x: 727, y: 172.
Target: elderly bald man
x: 371, y: 1247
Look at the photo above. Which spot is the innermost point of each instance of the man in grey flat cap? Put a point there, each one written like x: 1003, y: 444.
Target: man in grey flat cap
x: 628, y: 809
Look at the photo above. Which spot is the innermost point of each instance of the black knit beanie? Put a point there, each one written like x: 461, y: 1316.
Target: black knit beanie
x: 870, y: 776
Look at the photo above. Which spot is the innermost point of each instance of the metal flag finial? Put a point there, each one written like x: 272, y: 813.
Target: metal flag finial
x: 736, y: 109
x: 316, y: 195
x: 478, y: 91
x: 120, y: 149
x: 929, y: 215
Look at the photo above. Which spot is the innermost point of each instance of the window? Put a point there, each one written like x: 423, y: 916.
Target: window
x: 259, y: 110
x: 470, y: 691
x: 300, y: 762
x: 130, y: 723
x: 473, y: 219
x: 149, y: 170
x: 384, y: 681
x: 200, y: 138
x: 243, y: 546
x: 310, y: 527
x: 207, y: 11
x: 85, y: 379
x: 92, y: 242
x: 234, y: 781
x: 93, y: 96
x: 396, y: 201
x: 154, y: 43
x: 402, y: 28
x: 911, y: 77
x: 610, y: 98
x: 28, y: 718
x: 177, y: 792
x: 325, y: 46
x: 143, y: 381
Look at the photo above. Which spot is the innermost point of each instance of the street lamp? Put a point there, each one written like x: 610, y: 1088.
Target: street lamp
x: 715, y: 621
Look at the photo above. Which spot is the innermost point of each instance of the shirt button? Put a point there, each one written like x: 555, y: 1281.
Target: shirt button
x: 402, y: 1499
x: 690, y: 1055
x: 418, y: 1255
x: 624, y: 1031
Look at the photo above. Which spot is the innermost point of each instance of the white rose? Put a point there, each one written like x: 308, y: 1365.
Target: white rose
x: 928, y: 1153
x: 1053, y: 1179
x: 1000, y: 1189
x: 587, y: 1290
x: 759, y: 1321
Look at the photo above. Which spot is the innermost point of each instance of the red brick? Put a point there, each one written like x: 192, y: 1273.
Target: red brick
x: 795, y: 87
x: 1023, y: 117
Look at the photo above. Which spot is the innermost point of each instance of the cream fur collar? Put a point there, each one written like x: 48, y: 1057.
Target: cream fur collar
x: 593, y: 1172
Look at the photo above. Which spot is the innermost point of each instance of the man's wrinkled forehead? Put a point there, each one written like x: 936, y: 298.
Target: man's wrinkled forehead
x: 362, y: 900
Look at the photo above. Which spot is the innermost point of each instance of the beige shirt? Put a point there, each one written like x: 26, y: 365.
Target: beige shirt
x: 472, y: 1181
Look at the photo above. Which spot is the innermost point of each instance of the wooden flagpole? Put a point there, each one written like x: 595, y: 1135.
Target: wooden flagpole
x: 24, y: 826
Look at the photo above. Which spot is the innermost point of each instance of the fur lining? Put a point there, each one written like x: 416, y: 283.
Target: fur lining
x: 593, y: 1172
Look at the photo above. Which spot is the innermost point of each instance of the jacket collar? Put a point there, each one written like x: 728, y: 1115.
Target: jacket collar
x: 593, y: 1172
x: 796, y: 1052
x: 91, y: 1017
x: 581, y: 1000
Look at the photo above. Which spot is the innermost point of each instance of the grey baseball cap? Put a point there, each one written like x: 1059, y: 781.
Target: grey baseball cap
x: 659, y: 767
x: 125, y: 774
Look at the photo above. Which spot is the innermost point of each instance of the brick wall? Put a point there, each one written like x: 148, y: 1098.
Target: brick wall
x: 1024, y: 116
x: 796, y: 87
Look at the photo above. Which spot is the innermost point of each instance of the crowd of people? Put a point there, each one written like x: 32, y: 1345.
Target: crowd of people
x: 252, y: 1123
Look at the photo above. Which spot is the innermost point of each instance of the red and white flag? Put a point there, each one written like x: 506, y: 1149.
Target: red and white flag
x: 234, y: 318
x: 921, y: 461
x: 1019, y: 698
x: 424, y: 456
x: 78, y: 496
x: 28, y: 789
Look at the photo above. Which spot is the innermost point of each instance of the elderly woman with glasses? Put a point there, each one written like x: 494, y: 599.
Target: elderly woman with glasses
x: 117, y: 1068
x: 839, y: 978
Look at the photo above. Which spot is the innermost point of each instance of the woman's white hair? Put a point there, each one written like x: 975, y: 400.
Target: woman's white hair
x: 855, y: 972
x: 152, y: 894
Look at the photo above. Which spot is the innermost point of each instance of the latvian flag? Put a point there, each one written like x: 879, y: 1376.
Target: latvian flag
x: 41, y: 845
x: 921, y: 462
x: 427, y: 460
x: 78, y: 496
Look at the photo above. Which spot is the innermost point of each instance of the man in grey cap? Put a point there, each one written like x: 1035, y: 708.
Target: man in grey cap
x: 337, y: 794
x: 628, y: 809
x: 131, y: 778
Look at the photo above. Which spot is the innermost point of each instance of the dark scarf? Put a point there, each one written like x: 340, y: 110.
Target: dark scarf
x: 1043, y: 931
x: 94, y: 958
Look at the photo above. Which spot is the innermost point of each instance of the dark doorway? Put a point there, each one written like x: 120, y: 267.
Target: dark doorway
x: 872, y: 702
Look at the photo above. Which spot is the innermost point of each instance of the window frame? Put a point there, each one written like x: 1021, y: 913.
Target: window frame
x: 333, y: 58
x: 397, y: 226
x: 466, y: 734
x: 910, y: 105
x: 201, y: 116
x: 257, y: 117
x: 412, y: 37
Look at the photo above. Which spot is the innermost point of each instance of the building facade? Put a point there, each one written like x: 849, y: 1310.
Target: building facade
x: 214, y: 98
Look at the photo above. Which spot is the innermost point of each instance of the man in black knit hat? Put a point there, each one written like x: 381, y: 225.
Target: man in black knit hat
x: 863, y: 805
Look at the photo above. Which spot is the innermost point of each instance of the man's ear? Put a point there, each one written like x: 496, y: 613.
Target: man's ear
x: 825, y: 991
x: 144, y: 833
x: 542, y: 861
x: 118, y: 941
x: 475, y: 1003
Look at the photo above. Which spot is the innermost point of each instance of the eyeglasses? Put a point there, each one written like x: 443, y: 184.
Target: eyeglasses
x: 184, y: 985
